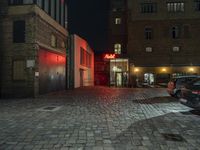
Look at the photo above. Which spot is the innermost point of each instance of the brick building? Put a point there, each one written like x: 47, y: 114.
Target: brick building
x: 162, y: 37
x: 32, y: 47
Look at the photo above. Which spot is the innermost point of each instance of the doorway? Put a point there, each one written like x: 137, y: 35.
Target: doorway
x: 119, y: 79
x: 149, y: 78
x: 81, y: 77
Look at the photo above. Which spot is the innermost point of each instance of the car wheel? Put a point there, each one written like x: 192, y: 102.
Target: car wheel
x: 178, y: 94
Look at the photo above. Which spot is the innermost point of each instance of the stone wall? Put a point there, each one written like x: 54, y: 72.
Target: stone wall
x: 162, y: 43
x: 39, y: 27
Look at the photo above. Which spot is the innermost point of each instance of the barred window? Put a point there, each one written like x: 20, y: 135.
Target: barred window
x: 176, y: 7
x: 148, y: 7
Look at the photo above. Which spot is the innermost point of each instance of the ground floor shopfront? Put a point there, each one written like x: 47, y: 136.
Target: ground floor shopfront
x: 119, y: 72
x: 159, y: 75
x: 111, y: 71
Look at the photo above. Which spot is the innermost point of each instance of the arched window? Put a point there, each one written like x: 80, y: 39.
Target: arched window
x: 148, y: 33
x: 175, y: 32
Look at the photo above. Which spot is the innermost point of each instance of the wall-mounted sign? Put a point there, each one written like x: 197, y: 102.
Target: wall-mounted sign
x: 37, y: 74
x: 30, y: 63
x: 109, y: 56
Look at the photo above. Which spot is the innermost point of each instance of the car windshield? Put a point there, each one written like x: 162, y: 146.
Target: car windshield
x: 185, y: 80
x: 196, y: 82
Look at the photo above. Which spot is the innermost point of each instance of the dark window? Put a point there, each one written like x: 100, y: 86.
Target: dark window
x: 82, y: 58
x: 62, y: 10
x: 58, y: 10
x: 175, y: 32
x: 19, y: 31
x: 46, y: 5
x: 28, y: 1
x: 148, y: 33
x: 43, y: 3
x: 39, y: 2
x: 15, y: 2
x: 53, y: 8
x: 175, y: 7
x: 65, y: 16
x: 148, y: 7
x: 197, y: 5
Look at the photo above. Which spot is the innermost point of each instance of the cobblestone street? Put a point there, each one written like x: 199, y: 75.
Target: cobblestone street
x: 99, y: 118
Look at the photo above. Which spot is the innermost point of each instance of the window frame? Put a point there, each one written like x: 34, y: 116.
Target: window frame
x: 13, y: 71
x: 148, y: 33
x: 175, y: 32
x: 148, y: 8
x: 176, y: 7
x: 197, y: 5
x: 118, y: 21
x: 118, y: 48
x: 18, y: 33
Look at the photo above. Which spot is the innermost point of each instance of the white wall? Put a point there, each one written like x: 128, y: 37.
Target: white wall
x: 88, y: 79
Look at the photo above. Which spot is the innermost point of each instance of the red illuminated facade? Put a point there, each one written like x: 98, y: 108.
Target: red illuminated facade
x: 80, y: 62
x: 101, y: 70
x: 33, y: 58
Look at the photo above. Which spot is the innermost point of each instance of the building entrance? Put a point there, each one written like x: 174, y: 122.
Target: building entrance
x: 118, y: 79
x: 149, y: 78
x: 119, y: 72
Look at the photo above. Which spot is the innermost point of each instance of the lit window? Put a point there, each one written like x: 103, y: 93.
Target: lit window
x: 53, y: 41
x: 148, y: 7
x: 148, y: 33
x: 118, y: 48
x: 176, y: 7
x: 176, y: 49
x: 118, y: 20
x: 175, y: 32
x: 148, y: 49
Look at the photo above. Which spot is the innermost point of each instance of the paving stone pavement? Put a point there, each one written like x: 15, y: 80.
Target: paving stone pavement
x: 99, y: 118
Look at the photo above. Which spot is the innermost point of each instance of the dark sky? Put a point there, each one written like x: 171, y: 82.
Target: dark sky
x: 89, y: 19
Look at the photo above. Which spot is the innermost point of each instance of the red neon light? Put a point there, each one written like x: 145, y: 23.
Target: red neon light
x: 110, y: 56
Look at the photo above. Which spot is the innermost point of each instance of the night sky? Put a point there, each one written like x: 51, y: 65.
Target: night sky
x: 89, y: 19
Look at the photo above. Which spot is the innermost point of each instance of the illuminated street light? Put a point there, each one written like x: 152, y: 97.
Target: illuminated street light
x: 191, y: 69
x: 164, y: 70
x: 136, y: 70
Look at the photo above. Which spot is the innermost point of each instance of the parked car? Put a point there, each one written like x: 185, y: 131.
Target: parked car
x: 190, y: 94
x: 174, y: 85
